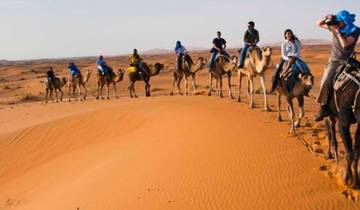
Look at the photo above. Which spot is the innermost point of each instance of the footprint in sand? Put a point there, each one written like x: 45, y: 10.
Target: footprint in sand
x: 351, y: 195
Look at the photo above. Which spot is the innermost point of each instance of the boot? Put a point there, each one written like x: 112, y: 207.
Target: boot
x: 322, y: 113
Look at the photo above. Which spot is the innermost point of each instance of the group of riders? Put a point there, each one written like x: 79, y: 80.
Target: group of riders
x: 344, y: 38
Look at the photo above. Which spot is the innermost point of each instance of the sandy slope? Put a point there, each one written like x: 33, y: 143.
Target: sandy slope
x: 161, y: 153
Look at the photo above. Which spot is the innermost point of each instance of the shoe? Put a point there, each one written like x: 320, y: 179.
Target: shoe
x: 322, y: 113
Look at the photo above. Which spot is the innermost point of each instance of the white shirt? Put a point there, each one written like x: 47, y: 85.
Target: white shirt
x: 290, y: 49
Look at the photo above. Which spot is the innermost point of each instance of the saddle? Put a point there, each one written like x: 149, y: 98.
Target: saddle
x: 259, y: 53
x: 347, y: 73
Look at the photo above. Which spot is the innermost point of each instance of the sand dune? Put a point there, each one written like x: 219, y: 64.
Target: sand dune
x: 162, y: 152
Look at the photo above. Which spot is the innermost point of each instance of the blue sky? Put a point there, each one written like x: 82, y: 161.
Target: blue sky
x: 66, y: 28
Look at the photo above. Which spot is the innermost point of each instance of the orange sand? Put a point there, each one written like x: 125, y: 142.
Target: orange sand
x: 162, y: 152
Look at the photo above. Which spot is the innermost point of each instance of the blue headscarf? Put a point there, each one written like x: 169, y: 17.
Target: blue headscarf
x: 348, y: 20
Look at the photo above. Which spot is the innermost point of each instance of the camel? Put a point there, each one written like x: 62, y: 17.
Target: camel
x: 103, y: 80
x: 254, y: 65
x: 344, y: 109
x: 189, y: 68
x: 301, y: 87
x: 222, y: 66
x: 143, y: 75
x: 56, y: 84
x: 78, y: 82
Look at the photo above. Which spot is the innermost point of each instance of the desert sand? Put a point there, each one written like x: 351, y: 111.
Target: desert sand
x: 193, y: 152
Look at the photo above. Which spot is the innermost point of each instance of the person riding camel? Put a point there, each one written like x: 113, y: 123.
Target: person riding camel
x: 291, y: 52
x: 251, y: 38
x: 219, y: 46
x: 345, y: 34
x: 50, y: 74
x: 103, y: 68
x: 136, y: 61
x: 180, y: 51
x: 74, y: 70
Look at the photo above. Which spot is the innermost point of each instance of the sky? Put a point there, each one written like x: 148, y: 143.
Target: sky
x: 32, y: 29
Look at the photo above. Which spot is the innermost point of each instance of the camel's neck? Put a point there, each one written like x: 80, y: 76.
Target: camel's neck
x: 87, y: 77
x: 259, y: 64
x: 118, y: 77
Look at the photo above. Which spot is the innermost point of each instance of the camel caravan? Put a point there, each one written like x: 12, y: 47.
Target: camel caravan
x: 339, y: 95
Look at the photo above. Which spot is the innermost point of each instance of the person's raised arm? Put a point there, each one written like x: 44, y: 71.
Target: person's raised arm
x: 321, y: 23
x: 344, y: 41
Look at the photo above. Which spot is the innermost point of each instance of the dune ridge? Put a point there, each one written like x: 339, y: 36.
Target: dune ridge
x: 213, y: 155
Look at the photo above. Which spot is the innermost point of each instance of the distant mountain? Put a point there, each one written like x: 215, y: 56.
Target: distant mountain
x: 156, y: 52
x: 304, y: 42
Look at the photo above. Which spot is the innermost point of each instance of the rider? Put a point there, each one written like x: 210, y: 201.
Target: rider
x: 136, y: 60
x: 74, y: 70
x: 219, y: 46
x: 50, y: 74
x: 251, y: 38
x: 345, y: 35
x: 290, y: 51
x: 103, y: 68
x: 180, y: 51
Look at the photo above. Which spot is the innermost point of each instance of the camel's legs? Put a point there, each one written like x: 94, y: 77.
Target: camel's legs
x: 301, y: 110
x: 98, y: 91
x: 210, y: 84
x: 333, y: 144
x: 133, y: 89
x: 101, y: 91
x: 179, y: 79
x: 262, y: 81
x: 279, y: 107
x: 114, y: 86
x: 344, y: 130
x: 356, y: 159
x: 61, y: 94
x: 69, y: 91
x: 79, y: 90
x: 85, y: 91
x: 291, y: 116
x: 186, y: 85
x: 147, y: 89
x: 229, y: 85
x: 51, y: 95
x: 251, y: 92
x: 173, y: 83
x: 56, y: 95
x: 130, y: 89
x: 108, y: 91
x: 217, y: 86
x: 220, y: 86
x: 239, y: 85
x: 193, y: 83
x: 46, y: 94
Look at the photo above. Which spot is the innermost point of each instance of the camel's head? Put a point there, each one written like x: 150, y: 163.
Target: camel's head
x: 234, y: 62
x: 201, y: 63
x: 307, y: 80
x: 63, y: 81
x: 159, y: 66
x: 121, y: 73
x: 266, y: 52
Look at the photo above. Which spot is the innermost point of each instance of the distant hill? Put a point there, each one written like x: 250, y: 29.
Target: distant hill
x: 156, y: 51
x: 304, y: 42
